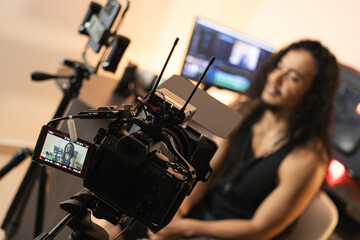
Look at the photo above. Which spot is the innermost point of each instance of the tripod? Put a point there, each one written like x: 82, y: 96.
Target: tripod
x: 35, y: 170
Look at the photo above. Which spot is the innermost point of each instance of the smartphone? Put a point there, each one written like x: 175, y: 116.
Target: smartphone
x: 108, y: 14
x: 54, y: 148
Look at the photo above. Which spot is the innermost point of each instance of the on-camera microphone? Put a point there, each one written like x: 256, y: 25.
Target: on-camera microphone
x: 197, y: 85
x: 163, y: 69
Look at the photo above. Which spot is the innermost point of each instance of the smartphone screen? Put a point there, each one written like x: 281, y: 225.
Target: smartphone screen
x: 55, y: 149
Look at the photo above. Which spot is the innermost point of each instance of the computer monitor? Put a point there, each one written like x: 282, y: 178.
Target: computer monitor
x: 237, y: 55
x: 346, y: 131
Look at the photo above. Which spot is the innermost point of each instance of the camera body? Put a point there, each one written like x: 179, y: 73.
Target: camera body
x: 144, y: 164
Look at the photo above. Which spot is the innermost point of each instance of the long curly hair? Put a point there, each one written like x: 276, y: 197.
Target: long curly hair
x: 314, y: 112
x: 71, y: 153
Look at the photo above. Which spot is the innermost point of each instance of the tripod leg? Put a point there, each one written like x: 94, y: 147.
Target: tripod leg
x: 14, y: 213
x: 18, y: 157
x: 13, y: 216
x: 56, y: 229
x: 40, y: 211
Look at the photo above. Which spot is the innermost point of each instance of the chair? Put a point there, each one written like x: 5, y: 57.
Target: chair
x: 318, y: 221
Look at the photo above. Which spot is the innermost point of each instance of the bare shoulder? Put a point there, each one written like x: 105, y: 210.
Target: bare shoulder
x: 309, y: 160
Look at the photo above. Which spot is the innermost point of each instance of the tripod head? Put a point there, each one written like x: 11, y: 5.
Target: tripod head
x: 70, y: 90
x: 78, y: 217
x: 84, y: 200
x: 75, y: 81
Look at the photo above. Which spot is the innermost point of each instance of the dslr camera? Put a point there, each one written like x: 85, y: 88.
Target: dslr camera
x: 144, y: 164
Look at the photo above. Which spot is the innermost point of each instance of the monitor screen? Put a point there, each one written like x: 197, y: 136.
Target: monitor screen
x: 237, y: 56
x: 346, y: 131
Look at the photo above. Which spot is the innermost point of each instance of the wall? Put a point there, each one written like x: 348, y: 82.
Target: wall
x: 37, y: 34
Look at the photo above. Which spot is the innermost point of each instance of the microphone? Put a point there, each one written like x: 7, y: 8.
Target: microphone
x: 197, y: 85
x: 163, y: 69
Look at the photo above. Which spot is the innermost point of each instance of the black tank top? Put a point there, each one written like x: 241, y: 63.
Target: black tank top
x: 246, y: 181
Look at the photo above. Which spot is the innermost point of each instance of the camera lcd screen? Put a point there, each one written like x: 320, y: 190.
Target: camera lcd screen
x: 54, y: 148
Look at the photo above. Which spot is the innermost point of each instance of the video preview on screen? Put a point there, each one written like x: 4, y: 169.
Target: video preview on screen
x: 60, y: 151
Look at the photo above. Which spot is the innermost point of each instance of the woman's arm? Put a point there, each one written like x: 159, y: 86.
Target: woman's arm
x: 300, y: 176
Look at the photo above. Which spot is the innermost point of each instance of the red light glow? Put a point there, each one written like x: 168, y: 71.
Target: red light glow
x: 336, y: 172
x: 358, y: 109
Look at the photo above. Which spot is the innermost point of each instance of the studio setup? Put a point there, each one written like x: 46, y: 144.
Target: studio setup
x: 179, y: 119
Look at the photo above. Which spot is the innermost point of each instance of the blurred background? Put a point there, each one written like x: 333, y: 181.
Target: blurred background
x: 35, y: 35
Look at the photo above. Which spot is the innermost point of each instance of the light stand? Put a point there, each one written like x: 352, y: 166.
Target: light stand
x: 97, y: 25
x: 13, y: 216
